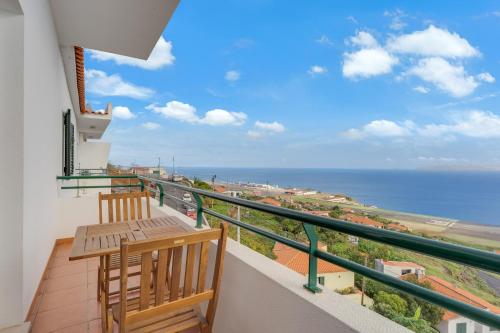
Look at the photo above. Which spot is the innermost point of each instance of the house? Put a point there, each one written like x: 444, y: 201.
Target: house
x: 399, y: 268
x: 147, y: 171
x: 397, y: 227
x: 362, y: 220
x: 323, y: 213
x: 452, y: 322
x: 270, y: 201
x: 331, y: 276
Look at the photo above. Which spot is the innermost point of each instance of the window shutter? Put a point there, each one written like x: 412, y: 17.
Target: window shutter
x: 69, y: 143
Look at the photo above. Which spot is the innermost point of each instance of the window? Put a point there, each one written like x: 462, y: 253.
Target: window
x: 462, y: 328
x: 405, y: 271
x: 68, y: 144
x: 321, y: 280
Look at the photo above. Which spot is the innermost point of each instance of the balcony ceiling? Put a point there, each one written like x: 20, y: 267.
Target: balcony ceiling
x: 126, y: 27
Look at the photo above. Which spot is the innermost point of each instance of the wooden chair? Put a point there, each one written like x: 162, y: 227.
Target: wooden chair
x: 121, y: 207
x: 170, y: 306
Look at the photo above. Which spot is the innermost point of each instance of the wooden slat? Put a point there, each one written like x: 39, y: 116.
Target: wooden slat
x: 139, y: 207
x: 132, y: 208
x: 202, y: 267
x: 188, y: 272
x: 125, y: 208
x: 146, y: 265
x: 118, y: 209
x: 110, y: 210
x: 161, y: 276
x: 176, y: 273
x: 169, y: 261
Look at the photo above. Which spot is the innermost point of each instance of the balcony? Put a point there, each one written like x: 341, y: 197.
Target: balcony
x: 257, y: 295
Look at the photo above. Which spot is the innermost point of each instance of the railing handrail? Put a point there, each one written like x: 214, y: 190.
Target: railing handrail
x: 97, y: 177
x: 457, y: 253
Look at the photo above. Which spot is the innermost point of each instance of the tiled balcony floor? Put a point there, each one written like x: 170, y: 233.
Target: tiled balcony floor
x: 67, y: 301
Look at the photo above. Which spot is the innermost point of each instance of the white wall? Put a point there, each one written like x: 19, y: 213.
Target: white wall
x: 93, y: 155
x: 11, y: 161
x: 450, y: 326
x: 46, y: 96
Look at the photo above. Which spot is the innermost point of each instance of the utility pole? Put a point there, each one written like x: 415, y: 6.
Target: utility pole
x: 363, y: 282
x: 173, y: 167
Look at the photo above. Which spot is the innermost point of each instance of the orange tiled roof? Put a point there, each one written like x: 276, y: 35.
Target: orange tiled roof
x: 299, y: 261
x: 361, y: 220
x: 448, y: 289
x: 398, y: 227
x: 318, y: 212
x: 219, y: 188
x: 270, y: 201
x: 80, y: 81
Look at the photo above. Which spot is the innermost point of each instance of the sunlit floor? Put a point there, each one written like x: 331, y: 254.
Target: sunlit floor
x: 67, y: 301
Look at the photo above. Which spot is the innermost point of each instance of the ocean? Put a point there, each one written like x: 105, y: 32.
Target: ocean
x: 472, y: 197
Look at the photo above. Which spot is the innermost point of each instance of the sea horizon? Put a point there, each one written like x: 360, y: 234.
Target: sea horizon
x: 468, y: 196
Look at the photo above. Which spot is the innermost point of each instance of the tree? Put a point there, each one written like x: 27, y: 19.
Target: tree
x: 391, y: 302
x: 336, y: 212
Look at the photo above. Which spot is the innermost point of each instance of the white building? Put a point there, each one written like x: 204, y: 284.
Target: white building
x: 455, y: 323
x: 398, y: 268
x: 329, y: 275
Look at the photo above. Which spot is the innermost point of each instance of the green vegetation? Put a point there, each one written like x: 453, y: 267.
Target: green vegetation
x: 409, y: 311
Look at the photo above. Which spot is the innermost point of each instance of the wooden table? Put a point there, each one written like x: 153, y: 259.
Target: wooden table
x: 97, y: 240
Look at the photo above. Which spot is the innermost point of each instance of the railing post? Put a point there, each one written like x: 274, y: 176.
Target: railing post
x: 160, y: 187
x: 199, y: 210
x: 312, y: 277
x: 142, y: 184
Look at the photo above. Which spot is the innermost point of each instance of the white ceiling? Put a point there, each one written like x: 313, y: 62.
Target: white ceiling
x: 126, y: 27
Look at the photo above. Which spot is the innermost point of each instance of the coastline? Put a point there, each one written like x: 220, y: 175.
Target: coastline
x: 454, y: 229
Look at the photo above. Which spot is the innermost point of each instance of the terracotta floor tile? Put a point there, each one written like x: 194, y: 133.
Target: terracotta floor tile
x: 66, y: 316
x: 53, y: 300
x: 91, y: 277
x: 93, y: 310
x: 80, y: 328
x: 66, y: 282
x: 77, y: 267
x: 61, y: 261
x: 92, y: 291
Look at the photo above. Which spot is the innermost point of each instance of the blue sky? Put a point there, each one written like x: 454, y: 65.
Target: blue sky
x: 358, y: 84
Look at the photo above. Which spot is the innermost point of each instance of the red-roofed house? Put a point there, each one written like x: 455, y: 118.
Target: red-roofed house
x: 398, y: 268
x: 270, y: 201
x: 331, y: 276
x: 362, y: 220
x: 452, y: 322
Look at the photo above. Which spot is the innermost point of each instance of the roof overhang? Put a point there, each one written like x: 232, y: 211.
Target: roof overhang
x: 126, y: 27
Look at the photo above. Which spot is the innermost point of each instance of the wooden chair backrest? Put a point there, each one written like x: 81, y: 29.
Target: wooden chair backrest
x: 123, y: 207
x: 168, y: 295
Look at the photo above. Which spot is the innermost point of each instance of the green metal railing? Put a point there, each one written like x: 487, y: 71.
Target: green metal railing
x: 452, y: 252
x: 78, y: 187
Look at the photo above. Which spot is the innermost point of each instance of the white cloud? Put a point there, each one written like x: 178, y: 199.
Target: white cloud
x: 176, y: 110
x: 271, y: 127
x: 433, y: 42
x: 422, y: 89
x: 368, y: 62
x: 187, y: 113
x: 396, y: 16
x: 263, y: 129
x: 219, y: 117
x: 364, y: 39
x: 317, y: 70
x: 473, y: 124
x: 485, y: 77
x: 379, y: 128
x: 447, y: 77
x: 102, y: 84
x: 232, y: 75
x: 324, y: 40
x: 161, y: 56
x: 150, y: 125
x: 122, y: 112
